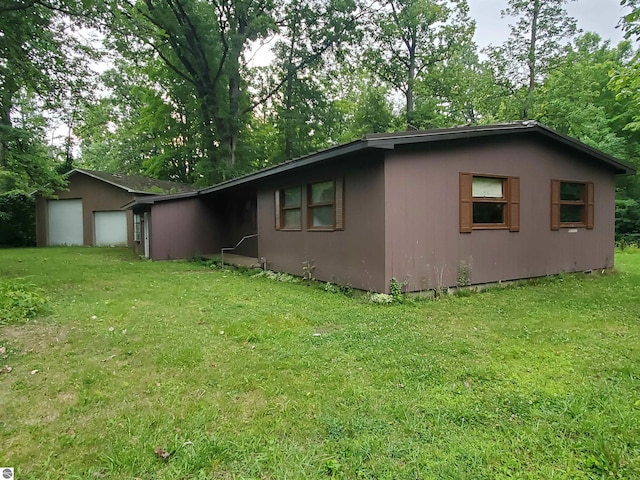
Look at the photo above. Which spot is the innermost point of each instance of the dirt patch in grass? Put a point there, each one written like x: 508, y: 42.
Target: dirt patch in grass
x: 50, y: 410
x: 35, y: 337
x: 251, y: 403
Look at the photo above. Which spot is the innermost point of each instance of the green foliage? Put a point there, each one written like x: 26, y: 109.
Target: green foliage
x: 26, y: 163
x: 338, y: 288
x: 395, y: 289
x: 381, y: 298
x: 463, y: 278
x: 20, y: 302
x: 628, y: 221
x: 41, y: 68
x: 17, y: 220
x: 625, y: 81
x: 277, y: 276
x: 412, y: 40
x: 576, y: 100
x: 151, y: 131
x: 535, y: 43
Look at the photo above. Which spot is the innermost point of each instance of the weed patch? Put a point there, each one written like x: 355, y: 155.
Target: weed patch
x: 20, y: 302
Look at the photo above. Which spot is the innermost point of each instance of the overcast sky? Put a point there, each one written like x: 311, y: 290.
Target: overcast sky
x: 600, y: 16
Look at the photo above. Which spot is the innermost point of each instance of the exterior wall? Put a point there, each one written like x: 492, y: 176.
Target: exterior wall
x: 96, y: 196
x: 423, y: 243
x: 237, y: 211
x: 182, y: 229
x: 354, y: 256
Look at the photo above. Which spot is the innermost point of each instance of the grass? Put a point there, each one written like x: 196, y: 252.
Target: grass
x: 247, y: 378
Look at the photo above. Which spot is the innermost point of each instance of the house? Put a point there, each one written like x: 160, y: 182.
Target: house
x: 432, y: 209
x: 89, y: 211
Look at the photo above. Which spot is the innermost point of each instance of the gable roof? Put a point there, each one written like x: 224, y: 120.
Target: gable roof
x: 136, y: 183
x: 389, y: 141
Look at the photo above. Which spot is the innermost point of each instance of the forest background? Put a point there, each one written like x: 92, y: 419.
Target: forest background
x: 181, y: 97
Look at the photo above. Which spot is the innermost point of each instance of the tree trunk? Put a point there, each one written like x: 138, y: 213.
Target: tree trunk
x: 410, y: 84
x: 237, y: 41
x: 5, y: 125
x: 532, y: 60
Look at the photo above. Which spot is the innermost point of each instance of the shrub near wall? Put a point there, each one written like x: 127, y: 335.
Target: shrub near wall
x: 17, y: 220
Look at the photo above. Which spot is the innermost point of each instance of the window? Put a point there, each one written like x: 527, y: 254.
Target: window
x: 572, y: 204
x: 323, y: 204
x: 137, y: 231
x: 289, y: 209
x: 489, y: 202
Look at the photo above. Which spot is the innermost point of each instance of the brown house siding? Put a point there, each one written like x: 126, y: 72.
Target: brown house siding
x: 96, y: 196
x: 182, y: 229
x: 353, y: 256
x: 424, y: 245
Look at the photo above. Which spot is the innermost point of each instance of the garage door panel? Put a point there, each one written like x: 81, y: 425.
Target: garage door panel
x: 110, y: 228
x: 65, y: 222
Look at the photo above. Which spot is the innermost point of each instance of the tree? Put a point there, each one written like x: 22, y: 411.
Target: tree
x: 140, y: 126
x: 535, y: 42
x: 301, y: 80
x: 575, y: 98
x: 40, y: 61
x: 202, y: 45
x: 625, y: 81
x: 411, y: 37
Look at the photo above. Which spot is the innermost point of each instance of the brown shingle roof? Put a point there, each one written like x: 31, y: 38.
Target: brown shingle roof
x: 137, y: 183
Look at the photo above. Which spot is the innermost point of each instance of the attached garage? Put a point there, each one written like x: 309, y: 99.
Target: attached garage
x: 65, y: 222
x: 89, y: 210
x: 111, y: 228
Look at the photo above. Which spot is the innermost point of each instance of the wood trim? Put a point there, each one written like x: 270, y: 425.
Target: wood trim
x: 513, y: 205
x: 590, y: 206
x: 277, y: 208
x: 587, y: 202
x: 339, y: 206
x: 555, y: 204
x: 466, y: 202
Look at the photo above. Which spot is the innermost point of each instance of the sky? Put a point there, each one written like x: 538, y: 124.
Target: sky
x: 600, y: 16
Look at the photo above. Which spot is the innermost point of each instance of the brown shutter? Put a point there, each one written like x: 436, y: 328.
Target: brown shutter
x: 277, y: 208
x: 555, y: 204
x: 590, y: 205
x: 339, y: 183
x: 514, y: 204
x: 466, y: 203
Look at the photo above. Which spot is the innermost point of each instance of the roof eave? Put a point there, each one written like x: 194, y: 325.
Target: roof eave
x: 620, y: 168
x: 148, y: 199
x: 390, y: 141
x: 346, y: 149
x: 122, y: 187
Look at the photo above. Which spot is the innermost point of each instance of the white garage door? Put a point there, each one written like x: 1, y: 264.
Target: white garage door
x: 111, y: 228
x: 65, y: 222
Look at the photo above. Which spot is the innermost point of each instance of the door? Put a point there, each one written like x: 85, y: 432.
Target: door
x: 145, y: 224
x: 65, y: 222
x: 110, y: 228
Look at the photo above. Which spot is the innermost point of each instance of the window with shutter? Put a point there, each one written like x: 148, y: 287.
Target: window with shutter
x: 489, y: 202
x: 289, y: 209
x: 324, y: 207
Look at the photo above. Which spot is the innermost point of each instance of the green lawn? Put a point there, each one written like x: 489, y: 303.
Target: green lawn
x: 240, y: 377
